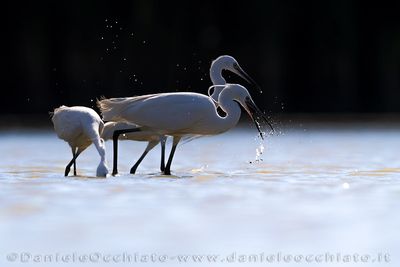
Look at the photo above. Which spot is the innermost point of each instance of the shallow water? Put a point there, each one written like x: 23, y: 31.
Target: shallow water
x: 316, y: 190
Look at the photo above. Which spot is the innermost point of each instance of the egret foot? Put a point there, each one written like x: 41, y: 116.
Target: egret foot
x: 133, y: 170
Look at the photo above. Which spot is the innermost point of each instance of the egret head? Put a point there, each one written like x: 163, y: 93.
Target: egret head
x: 229, y: 63
x: 102, y: 170
x: 243, y: 97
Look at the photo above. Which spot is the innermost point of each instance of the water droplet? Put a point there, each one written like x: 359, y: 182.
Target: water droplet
x: 177, y: 65
x: 102, y: 38
x: 124, y: 58
x: 345, y: 185
x: 201, y: 79
x: 106, y: 20
x: 144, y: 42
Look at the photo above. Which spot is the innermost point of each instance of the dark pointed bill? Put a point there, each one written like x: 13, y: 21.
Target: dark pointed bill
x: 247, y: 77
x: 255, y: 113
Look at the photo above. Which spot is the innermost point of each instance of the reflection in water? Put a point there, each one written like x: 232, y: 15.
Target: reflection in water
x: 318, y: 190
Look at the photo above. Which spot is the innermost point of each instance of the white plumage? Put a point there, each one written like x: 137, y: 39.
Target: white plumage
x: 80, y: 127
x: 224, y: 62
x: 180, y: 114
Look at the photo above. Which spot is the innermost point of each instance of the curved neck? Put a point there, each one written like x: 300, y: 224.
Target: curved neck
x: 216, y: 73
x: 232, y: 110
x: 216, y: 78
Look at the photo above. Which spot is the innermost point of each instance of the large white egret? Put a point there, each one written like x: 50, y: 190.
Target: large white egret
x: 224, y: 62
x: 179, y: 114
x: 80, y: 127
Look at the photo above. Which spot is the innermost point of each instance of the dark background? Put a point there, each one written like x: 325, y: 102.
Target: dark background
x: 308, y: 56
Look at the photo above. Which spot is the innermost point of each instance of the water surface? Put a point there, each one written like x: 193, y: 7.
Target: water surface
x: 315, y: 190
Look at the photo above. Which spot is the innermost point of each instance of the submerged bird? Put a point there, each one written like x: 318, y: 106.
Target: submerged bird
x: 180, y: 114
x: 224, y: 62
x: 80, y: 127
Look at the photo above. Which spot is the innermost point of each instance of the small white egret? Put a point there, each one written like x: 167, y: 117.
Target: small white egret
x: 224, y: 62
x: 80, y: 127
x: 229, y: 63
x: 180, y: 114
x: 151, y: 137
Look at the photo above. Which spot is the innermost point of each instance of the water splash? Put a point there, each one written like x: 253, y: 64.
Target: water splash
x: 259, y: 153
x: 260, y: 149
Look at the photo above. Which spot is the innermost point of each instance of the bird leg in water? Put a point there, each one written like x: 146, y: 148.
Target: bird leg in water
x: 162, y: 166
x: 116, y: 134
x: 176, y: 140
x: 73, y: 161
x: 149, y: 147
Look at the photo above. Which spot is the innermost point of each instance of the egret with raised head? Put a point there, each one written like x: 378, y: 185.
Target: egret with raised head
x: 180, y: 114
x: 224, y: 62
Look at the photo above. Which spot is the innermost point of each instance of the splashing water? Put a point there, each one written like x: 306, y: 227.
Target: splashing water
x: 259, y: 153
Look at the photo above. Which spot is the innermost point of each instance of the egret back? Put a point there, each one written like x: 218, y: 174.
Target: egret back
x: 169, y: 111
x: 76, y: 125
x: 111, y: 108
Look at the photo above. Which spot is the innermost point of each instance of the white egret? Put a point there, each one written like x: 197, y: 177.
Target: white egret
x: 80, y: 127
x: 179, y: 114
x: 229, y: 63
x: 224, y: 62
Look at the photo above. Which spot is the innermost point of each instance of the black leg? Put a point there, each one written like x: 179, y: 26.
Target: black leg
x: 75, y: 167
x: 162, y: 167
x: 72, y: 162
x: 134, y: 167
x: 167, y: 170
x: 149, y: 147
x: 116, y: 134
